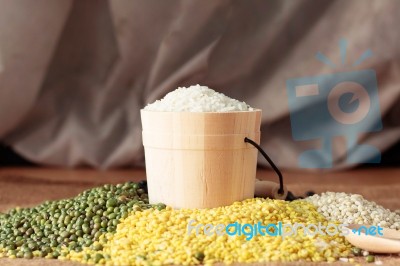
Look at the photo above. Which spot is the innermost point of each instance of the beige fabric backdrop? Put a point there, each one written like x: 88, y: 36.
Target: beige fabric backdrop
x: 74, y: 74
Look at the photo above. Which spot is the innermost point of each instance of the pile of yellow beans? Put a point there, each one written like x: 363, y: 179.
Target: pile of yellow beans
x: 158, y: 237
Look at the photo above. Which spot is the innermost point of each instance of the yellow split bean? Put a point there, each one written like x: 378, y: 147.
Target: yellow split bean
x: 153, y: 237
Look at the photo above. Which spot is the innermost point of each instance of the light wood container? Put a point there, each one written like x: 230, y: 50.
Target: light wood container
x: 200, y: 160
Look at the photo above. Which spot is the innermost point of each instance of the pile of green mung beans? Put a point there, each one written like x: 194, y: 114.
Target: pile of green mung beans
x: 54, y: 228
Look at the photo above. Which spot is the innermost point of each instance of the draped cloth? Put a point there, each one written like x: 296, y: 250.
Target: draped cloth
x: 74, y: 74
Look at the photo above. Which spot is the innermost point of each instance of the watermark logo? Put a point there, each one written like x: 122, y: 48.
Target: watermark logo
x: 369, y: 230
x: 343, y: 104
x: 279, y: 229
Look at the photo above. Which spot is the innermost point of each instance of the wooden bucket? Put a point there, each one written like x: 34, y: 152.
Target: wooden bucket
x: 200, y: 160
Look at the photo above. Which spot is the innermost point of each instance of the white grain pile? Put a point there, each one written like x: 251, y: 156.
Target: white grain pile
x: 197, y: 99
x: 353, y: 208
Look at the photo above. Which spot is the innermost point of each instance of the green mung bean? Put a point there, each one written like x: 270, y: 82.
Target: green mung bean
x: 71, y: 224
x: 370, y: 258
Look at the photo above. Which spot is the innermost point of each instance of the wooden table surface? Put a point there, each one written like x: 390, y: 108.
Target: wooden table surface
x: 30, y: 186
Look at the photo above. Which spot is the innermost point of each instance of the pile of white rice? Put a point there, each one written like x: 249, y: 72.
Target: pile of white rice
x: 197, y: 99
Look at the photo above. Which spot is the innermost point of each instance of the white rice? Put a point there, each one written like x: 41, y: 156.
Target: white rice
x: 197, y: 99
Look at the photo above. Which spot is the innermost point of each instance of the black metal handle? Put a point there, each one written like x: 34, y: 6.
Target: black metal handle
x: 277, y: 171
